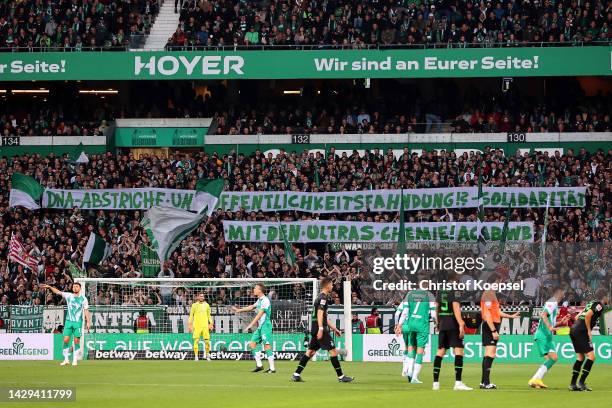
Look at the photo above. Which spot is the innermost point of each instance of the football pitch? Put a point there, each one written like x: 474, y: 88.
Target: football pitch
x: 123, y: 384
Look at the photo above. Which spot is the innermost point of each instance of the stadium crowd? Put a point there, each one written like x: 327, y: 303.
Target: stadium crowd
x: 345, y: 110
x: 48, y: 123
x: 59, y: 237
x: 373, y: 120
x: 77, y: 25
x: 353, y: 24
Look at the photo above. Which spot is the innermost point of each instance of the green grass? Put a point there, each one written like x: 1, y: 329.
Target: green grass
x: 121, y: 384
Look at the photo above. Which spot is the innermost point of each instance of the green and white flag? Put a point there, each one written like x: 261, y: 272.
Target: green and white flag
x: 504, y: 236
x: 149, y: 262
x: 167, y: 227
x: 79, y: 155
x: 75, y: 271
x: 96, y: 251
x: 25, y: 192
x: 542, y: 264
x: 289, y: 254
x: 482, y: 233
x: 207, y: 195
x: 401, y: 238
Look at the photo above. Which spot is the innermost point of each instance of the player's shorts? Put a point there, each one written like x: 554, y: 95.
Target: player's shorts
x: 417, y: 339
x: 545, y: 345
x: 580, y: 341
x: 72, y: 328
x: 487, y: 334
x: 262, y: 335
x: 202, y: 332
x: 326, y: 343
x: 449, y: 339
x: 406, y: 337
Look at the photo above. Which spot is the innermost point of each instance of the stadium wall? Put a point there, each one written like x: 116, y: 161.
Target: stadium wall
x: 458, y: 142
x: 45, y: 145
x: 224, y: 144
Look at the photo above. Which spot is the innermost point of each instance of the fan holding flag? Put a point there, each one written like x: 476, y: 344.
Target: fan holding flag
x: 167, y: 227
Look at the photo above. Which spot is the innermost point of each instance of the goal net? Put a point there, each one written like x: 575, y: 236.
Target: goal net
x: 117, y: 304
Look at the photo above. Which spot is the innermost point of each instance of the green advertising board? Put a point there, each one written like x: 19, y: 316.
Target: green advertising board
x: 425, y: 63
x: 522, y: 349
x: 510, y: 349
x: 160, y: 137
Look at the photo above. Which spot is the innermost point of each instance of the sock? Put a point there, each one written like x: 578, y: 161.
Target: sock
x: 336, y: 364
x: 544, y: 368
x: 487, y: 362
x: 405, y: 362
x: 411, y: 355
x: 207, y: 347
x: 540, y: 373
x: 75, y: 353
x: 458, y: 368
x: 586, y: 369
x: 270, y: 356
x: 66, y: 351
x: 302, y: 364
x: 257, y: 357
x: 436, y: 368
x: 196, y: 347
x: 576, y: 371
x: 417, y: 366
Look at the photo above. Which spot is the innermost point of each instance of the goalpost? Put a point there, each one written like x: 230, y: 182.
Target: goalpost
x: 116, y: 304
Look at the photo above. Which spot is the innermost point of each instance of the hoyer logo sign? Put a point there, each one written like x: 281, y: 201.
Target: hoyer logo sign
x: 170, y: 65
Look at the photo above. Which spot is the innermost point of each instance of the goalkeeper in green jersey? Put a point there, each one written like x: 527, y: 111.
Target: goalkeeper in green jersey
x: 544, y: 338
x: 77, y: 309
x: 420, y: 306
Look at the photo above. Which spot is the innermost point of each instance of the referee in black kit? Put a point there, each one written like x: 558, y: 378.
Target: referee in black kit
x: 320, y: 337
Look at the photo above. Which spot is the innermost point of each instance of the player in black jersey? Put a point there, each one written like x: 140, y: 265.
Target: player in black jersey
x: 451, y: 330
x: 320, y: 336
x: 582, y: 339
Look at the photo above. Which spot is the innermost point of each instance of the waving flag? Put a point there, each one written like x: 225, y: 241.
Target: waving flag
x: 25, y: 192
x: 167, y: 227
x: 96, y: 251
x: 207, y: 195
x: 18, y: 253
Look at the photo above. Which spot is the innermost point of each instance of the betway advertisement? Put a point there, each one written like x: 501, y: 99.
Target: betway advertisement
x: 26, y: 346
x: 179, y: 346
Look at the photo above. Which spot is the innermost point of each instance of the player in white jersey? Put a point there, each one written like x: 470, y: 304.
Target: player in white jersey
x: 77, y: 309
x: 263, y: 334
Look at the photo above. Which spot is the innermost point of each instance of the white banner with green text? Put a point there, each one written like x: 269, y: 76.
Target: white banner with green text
x: 348, y: 231
x: 318, y: 202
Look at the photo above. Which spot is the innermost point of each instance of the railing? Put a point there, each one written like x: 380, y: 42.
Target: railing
x: 137, y: 42
x: 318, y: 47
